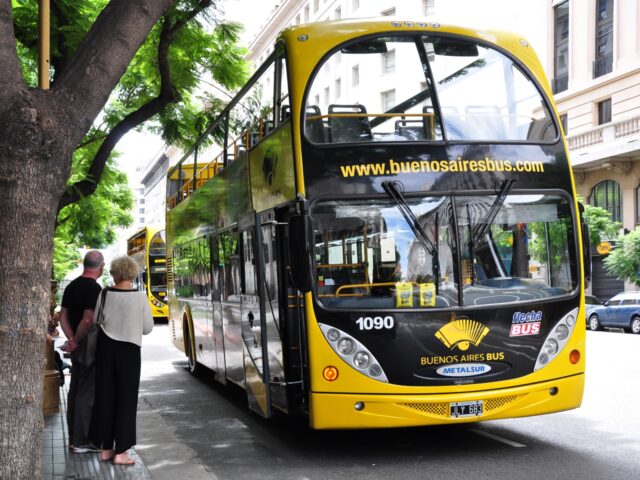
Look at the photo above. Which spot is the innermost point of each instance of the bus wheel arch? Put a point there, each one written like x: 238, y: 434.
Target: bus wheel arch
x: 189, y: 343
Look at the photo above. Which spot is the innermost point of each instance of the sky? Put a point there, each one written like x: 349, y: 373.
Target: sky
x: 253, y: 14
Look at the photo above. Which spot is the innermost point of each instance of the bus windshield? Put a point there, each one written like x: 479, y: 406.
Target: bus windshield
x: 157, y: 263
x: 480, y: 94
x: 509, y: 249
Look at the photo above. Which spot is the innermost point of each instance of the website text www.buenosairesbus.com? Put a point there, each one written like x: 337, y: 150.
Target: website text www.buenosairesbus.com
x: 486, y: 164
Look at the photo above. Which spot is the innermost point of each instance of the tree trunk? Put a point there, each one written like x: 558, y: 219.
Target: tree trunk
x: 31, y: 181
x: 38, y: 132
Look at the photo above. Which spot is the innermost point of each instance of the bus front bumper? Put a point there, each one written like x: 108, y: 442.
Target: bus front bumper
x: 352, y: 411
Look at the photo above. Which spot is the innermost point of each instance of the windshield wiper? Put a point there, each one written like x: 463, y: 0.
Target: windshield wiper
x: 481, y: 228
x: 418, y: 231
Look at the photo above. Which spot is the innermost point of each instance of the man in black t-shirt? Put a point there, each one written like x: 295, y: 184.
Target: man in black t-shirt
x: 78, y: 302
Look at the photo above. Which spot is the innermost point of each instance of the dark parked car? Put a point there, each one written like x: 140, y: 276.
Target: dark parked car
x: 621, y: 311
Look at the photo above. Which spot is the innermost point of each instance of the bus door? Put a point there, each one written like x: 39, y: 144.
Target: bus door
x: 217, y: 324
x: 230, y: 301
x: 270, y: 292
x: 253, y: 319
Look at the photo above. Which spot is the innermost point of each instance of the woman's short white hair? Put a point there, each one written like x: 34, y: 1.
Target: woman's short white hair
x: 124, y: 268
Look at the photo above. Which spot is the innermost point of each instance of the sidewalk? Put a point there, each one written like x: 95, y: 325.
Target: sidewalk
x: 58, y: 462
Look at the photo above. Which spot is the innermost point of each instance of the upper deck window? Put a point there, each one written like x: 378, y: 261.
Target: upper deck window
x: 479, y: 95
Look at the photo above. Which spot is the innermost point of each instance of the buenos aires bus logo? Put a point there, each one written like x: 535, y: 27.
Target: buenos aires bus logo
x: 462, y: 333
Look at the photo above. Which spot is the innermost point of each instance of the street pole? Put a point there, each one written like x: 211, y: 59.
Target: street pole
x: 44, y: 44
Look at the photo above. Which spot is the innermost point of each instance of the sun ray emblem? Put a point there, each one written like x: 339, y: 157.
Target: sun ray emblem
x: 462, y: 333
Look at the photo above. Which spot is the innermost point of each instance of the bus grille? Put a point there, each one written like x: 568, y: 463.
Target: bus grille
x: 441, y: 410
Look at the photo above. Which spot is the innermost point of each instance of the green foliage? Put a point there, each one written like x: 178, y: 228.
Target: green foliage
x: 92, y: 221
x: 624, y: 260
x: 200, y: 47
x: 600, y: 225
x: 65, y: 258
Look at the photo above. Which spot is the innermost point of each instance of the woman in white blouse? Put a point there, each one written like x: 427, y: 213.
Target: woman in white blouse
x: 125, y: 317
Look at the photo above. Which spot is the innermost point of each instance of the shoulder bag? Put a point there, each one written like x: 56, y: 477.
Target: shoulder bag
x: 88, y: 356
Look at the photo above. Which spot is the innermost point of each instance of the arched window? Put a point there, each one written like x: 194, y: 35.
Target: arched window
x: 606, y: 194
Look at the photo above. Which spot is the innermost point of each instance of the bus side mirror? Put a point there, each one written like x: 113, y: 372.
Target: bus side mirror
x: 586, y: 246
x: 299, y: 254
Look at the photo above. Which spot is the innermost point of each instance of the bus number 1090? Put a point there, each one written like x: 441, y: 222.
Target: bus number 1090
x: 375, y: 323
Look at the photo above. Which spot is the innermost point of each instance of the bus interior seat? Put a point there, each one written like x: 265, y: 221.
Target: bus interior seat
x: 349, y: 128
x: 268, y: 127
x: 539, y: 130
x: 314, y: 126
x: 454, y: 124
x: 431, y: 124
x: 411, y: 129
x: 485, y: 122
x: 285, y: 113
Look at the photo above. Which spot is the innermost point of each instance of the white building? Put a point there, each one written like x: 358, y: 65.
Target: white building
x: 595, y: 74
x: 524, y: 16
x: 155, y: 185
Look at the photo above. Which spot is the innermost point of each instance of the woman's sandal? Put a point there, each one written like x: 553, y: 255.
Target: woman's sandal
x: 128, y: 462
x: 105, y: 458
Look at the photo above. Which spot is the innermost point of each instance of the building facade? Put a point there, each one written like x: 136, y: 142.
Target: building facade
x: 523, y: 16
x: 594, y: 52
x: 155, y: 185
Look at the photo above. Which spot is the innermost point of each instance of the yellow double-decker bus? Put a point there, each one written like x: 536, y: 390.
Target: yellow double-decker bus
x: 147, y: 247
x: 388, y: 235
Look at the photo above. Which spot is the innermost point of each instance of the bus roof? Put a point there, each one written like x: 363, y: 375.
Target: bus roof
x: 308, y: 43
x: 146, y: 230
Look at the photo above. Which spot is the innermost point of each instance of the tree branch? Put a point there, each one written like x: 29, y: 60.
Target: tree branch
x: 102, y: 57
x: 202, y: 5
x: 60, y: 222
x: 10, y: 73
x: 167, y: 95
x: 88, y: 185
x: 91, y: 140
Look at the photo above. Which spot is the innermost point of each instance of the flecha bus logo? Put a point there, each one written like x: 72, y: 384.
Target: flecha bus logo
x: 524, y: 324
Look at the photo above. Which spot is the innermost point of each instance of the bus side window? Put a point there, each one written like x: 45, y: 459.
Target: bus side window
x: 216, y: 269
x: 249, y: 267
x: 230, y: 262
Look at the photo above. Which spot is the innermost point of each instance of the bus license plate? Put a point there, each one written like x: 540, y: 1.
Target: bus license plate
x: 466, y: 409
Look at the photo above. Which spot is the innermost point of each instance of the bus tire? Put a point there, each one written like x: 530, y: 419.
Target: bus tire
x: 594, y: 323
x: 634, y: 326
x: 192, y: 362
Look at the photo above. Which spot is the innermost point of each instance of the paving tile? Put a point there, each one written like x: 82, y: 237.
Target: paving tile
x: 59, y: 463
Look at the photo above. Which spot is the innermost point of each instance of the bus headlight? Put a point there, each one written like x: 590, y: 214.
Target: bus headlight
x: 557, y: 339
x: 354, y: 353
x: 156, y: 303
x: 361, y: 360
x: 346, y: 346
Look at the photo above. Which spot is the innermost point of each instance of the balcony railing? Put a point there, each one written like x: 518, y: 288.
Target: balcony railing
x: 621, y: 129
x: 602, y: 65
